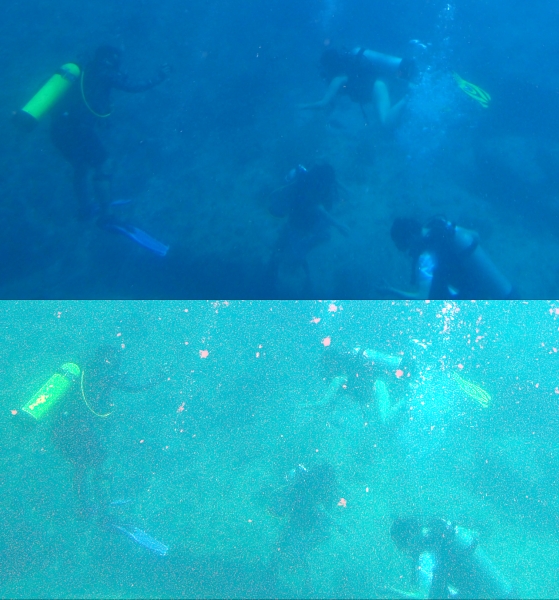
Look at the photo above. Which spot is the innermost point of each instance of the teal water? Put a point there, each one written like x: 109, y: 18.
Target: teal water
x: 197, y: 460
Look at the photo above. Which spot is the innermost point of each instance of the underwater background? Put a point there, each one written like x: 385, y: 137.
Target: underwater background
x: 198, y: 461
x: 196, y: 159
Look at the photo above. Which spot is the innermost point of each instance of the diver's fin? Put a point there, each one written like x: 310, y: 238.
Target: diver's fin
x: 139, y: 236
x: 144, y: 539
x: 473, y: 91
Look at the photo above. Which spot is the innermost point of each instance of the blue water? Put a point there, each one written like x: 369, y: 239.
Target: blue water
x: 217, y: 416
x: 200, y: 155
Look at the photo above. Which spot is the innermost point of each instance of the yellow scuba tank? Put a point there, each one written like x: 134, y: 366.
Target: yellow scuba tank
x: 52, y: 392
x: 49, y: 95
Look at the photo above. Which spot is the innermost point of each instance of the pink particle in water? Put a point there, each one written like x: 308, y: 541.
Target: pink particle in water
x: 460, y: 366
x: 316, y: 320
x: 399, y: 373
x: 204, y: 353
x: 180, y: 408
x: 332, y: 308
x: 326, y: 342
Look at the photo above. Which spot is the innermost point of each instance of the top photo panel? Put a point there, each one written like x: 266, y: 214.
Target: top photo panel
x: 287, y: 149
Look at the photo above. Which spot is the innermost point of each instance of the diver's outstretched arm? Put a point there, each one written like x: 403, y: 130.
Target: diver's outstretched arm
x: 397, y: 593
x: 335, y: 385
x: 335, y: 86
x: 341, y: 227
x: 125, y: 385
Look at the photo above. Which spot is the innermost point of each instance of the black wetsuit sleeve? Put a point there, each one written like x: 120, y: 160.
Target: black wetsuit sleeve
x: 120, y: 82
x: 126, y: 385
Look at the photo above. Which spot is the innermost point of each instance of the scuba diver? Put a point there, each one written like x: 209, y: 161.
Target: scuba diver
x: 77, y: 428
x: 303, y: 502
x: 74, y: 132
x: 361, y: 373
x: 360, y: 73
x: 448, y: 561
x: 307, y: 201
x: 448, y: 263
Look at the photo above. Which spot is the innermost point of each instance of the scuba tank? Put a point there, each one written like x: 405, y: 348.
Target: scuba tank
x: 379, y: 358
x: 52, y: 392
x: 50, y: 94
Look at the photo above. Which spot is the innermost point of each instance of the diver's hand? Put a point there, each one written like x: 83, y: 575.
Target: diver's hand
x: 384, y: 289
x: 398, y: 593
x: 164, y: 71
x: 387, y: 291
x: 344, y: 229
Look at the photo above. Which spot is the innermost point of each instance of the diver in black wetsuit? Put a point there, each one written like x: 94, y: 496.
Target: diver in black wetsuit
x: 77, y: 430
x: 75, y: 123
x: 303, y: 503
x: 307, y: 203
x: 361, y: 74
x: 448, y: 561
x: 448, y: 263
x: 361, y: 373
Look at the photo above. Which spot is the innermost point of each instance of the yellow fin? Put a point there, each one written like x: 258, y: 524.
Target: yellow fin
x: 474, y: 391
x: 473, y: 91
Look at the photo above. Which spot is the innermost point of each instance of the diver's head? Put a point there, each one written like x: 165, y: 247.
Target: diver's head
x: 406, y: 533
x: 408, y: 69
x: 107, y: 357
x: 319, y: 183
x: 107, y: 58
x: 333, y: 63
x: 407, y: 234
x: 439, y: 232
x: 319, y: 485
x: 336, y: 361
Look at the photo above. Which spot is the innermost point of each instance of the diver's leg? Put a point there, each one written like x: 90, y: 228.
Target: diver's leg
x: 277, y: 258
x: 291, y: 272
x: 307, y: 284
x: 387, y: 113
x: 100, y: 484
x: 81, y: 191
x: 82, y: 488
x: 97, y: 158
x: 102, y: 192
x: 67, y: 137
x: 386, y: 411
x: 490, y: 581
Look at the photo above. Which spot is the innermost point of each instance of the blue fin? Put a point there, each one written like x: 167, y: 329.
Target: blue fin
x: 144, y: 539
x: 139, y: 236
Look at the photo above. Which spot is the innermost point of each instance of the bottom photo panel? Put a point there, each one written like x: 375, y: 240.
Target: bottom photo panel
x: 267, y: 449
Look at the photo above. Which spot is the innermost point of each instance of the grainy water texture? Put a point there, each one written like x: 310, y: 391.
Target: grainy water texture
x: 193, y: 495
x: 196, y: 161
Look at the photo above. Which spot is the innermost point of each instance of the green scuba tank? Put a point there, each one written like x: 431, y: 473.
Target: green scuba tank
x: 49, y: 95
x: 52, y: 392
